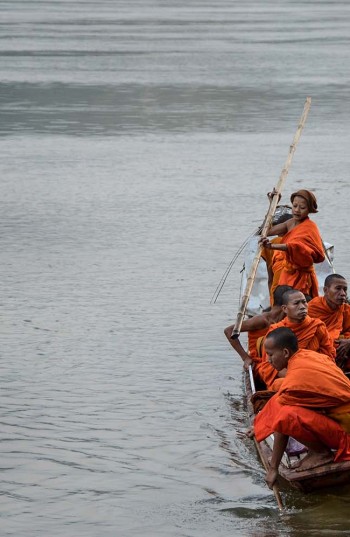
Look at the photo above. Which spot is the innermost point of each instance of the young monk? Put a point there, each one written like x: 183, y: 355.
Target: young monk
x: 301, y: 244
x: 311, y: 334
x: 334, y: 311
x: 257, y: 327
x: 312, y: 406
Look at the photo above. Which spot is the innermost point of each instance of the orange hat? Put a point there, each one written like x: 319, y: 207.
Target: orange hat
x: 308, y: 197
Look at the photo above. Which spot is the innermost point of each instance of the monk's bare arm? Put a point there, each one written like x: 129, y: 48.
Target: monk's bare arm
x: 279, y: 446
x: 266, y: 243
x: 247, y: 360
x: 278, y: 229
x: 258, y: 322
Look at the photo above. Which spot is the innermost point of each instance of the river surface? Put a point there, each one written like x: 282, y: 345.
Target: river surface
x: 138, y: 140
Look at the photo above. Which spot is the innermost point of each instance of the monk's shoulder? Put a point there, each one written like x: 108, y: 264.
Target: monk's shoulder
x: 317, y: 301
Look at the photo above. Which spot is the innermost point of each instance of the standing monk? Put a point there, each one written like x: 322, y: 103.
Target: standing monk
x: 311, y: 334
x: 301, y: 243
x: 334, y: 311
x: 312, y: 406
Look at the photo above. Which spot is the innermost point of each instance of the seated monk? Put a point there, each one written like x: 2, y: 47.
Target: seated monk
x: 312, y: 406
x: 257, y: 327
x: 334, y: 311
x: 301, y: 244
x: 311, y: 334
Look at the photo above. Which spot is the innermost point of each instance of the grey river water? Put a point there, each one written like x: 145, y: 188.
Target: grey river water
x: 138, y: 140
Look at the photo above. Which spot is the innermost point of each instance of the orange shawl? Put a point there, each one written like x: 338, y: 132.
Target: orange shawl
x: 314, y: 381
x: 311, y: 334
x: 304, y: 248
x: 337, y: 321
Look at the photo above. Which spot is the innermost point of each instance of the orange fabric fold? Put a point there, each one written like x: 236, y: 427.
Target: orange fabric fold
x: 275, y: 260
x: 314, y: 381
x: 311, y: 333
x: 304, y: 248
x: 277, y: 266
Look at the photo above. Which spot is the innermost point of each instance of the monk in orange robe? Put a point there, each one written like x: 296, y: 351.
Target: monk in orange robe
x: 311, y: 333
x: 257, y: 327
x: 334, y: 311
x: 301, y: 244
x: 312, y: 405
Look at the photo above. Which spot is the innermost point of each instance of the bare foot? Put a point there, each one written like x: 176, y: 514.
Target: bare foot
x: 313, y: 460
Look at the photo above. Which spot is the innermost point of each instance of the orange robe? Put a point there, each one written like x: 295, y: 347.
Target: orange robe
x: 278, y: 263
x: 337, y: 321
x: 253, y: 337
x: 304, y: 248
x: 312, y: 382
x: 275, y: 260
x: 311, y: 334
x: 304, y: 425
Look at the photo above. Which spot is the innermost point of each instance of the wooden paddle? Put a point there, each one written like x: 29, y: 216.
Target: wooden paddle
x: 251, y: 277
x: 268, y: 219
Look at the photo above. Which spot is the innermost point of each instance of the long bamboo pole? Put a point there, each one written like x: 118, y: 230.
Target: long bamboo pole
x: 268, y: 219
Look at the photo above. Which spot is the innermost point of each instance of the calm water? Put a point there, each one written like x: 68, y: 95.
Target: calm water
x: 137, y: 141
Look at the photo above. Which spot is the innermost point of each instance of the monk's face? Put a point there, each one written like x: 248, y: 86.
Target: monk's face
x: 296, y: 308
x: 300, y: 209
x: 336, y: 293
x: 276, y: 355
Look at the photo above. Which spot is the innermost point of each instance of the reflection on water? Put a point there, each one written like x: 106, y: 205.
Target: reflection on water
x: 121, y: 401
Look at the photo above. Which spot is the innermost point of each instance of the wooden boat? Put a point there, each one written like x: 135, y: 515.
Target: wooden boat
x: 327, y: 475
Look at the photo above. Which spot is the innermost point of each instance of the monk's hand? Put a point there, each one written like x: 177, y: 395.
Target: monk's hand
x: 247, y: 363
x: 271, y: 194
x: 343, y: 349
x: 271, y: 476
x: 265, y: 242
